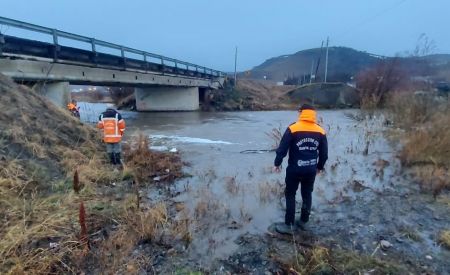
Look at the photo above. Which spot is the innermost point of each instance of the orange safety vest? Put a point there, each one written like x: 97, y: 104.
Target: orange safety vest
x: 113, y: 128
x: 71, y: 106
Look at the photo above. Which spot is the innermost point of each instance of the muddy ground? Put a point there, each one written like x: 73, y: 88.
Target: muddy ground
x: 407, y: 219
x: 232, y: 200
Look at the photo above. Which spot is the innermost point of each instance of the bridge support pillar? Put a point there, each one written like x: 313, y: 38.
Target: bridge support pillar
x: 167, y: 99
x: 56, y: 92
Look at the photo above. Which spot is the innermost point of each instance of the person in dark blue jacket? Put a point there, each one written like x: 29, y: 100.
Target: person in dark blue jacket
x: 307, y: 144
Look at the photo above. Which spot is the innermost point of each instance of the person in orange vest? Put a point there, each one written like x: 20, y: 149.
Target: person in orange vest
x: 307, y: 145
x: 73, y: 108
x: 113, y: 127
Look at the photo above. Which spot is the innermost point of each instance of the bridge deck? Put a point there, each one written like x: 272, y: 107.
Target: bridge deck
x: 14, y: 46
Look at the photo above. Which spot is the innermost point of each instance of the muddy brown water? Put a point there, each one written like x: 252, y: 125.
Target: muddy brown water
x: 363, y: 197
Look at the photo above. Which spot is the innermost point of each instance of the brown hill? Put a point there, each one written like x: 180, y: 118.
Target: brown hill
x: 344, y: 63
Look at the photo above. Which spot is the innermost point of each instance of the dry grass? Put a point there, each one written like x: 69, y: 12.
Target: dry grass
x: 38, y: 141
x: 209, y: 208
x: 269, y: 191
x: 41, y: 147
x: 232, y: 186
x: 444, y: 238
x: 321, y: 260
x: 134, y: 226
x: 145, y: 164
x: 425, y: 121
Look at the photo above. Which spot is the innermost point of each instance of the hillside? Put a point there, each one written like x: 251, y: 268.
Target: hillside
x: 343, y: 64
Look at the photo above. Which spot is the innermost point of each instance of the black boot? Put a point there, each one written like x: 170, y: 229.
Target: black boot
x: 118, y: 160
x: 304, y: 217
x: 112, y: 158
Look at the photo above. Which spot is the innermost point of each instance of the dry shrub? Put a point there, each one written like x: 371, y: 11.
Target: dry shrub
x: 146, y: 164
x: 149, y: 224
x: 114, y: 251
x: 182, y: 228
x: 232, y: 186
x: 426, y: 138
x: 201, y: 209
x: 275, y: 135
x: 411, y: 111
x: 375, y: 84
x: 270, y: 191
x: 209, y: 207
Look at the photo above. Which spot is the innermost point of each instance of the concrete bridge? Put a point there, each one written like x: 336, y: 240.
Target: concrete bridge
x: 161, y: 83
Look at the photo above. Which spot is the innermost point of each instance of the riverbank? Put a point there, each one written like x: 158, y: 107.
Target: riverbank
x: 257, y: 95
x: 64, y: 208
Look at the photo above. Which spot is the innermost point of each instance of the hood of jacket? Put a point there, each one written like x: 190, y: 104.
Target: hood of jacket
x: 308, y: 115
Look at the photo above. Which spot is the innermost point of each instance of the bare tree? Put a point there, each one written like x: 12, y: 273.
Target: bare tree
x: 424, y: 46
x: 375, y: 84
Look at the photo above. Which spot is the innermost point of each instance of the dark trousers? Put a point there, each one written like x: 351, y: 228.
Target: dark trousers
x: 306, y: 188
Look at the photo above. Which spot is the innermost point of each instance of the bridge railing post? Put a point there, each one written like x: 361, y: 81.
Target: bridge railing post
x: 146, y: 65
x: 124, y: 60
x: 176, y: 66
x: 163, y: 66
x: 94, y: 51
x: 55, y: 45
x: 2, y: 43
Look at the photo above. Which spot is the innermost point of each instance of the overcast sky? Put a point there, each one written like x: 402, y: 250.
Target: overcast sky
x: 206, y: 32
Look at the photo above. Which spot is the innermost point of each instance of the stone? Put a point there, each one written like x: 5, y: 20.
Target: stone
x: 385, y: 244
x: 428, y: 257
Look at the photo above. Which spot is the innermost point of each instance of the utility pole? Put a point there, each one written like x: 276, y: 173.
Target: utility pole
x: 326, y: 61
x: 235, y: 67
x: 318, y: 61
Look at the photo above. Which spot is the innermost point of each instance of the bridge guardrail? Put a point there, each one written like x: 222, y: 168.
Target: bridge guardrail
x: 95, y: 42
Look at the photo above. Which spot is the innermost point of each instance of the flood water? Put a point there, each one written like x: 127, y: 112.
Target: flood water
x: 231, y: 192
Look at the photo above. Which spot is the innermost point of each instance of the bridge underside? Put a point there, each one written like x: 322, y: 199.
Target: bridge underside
x: 40, y: 70
x: 154, y: 92
x: 167, y: 99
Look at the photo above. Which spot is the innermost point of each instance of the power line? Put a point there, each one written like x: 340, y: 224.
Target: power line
x: 368, y: 20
